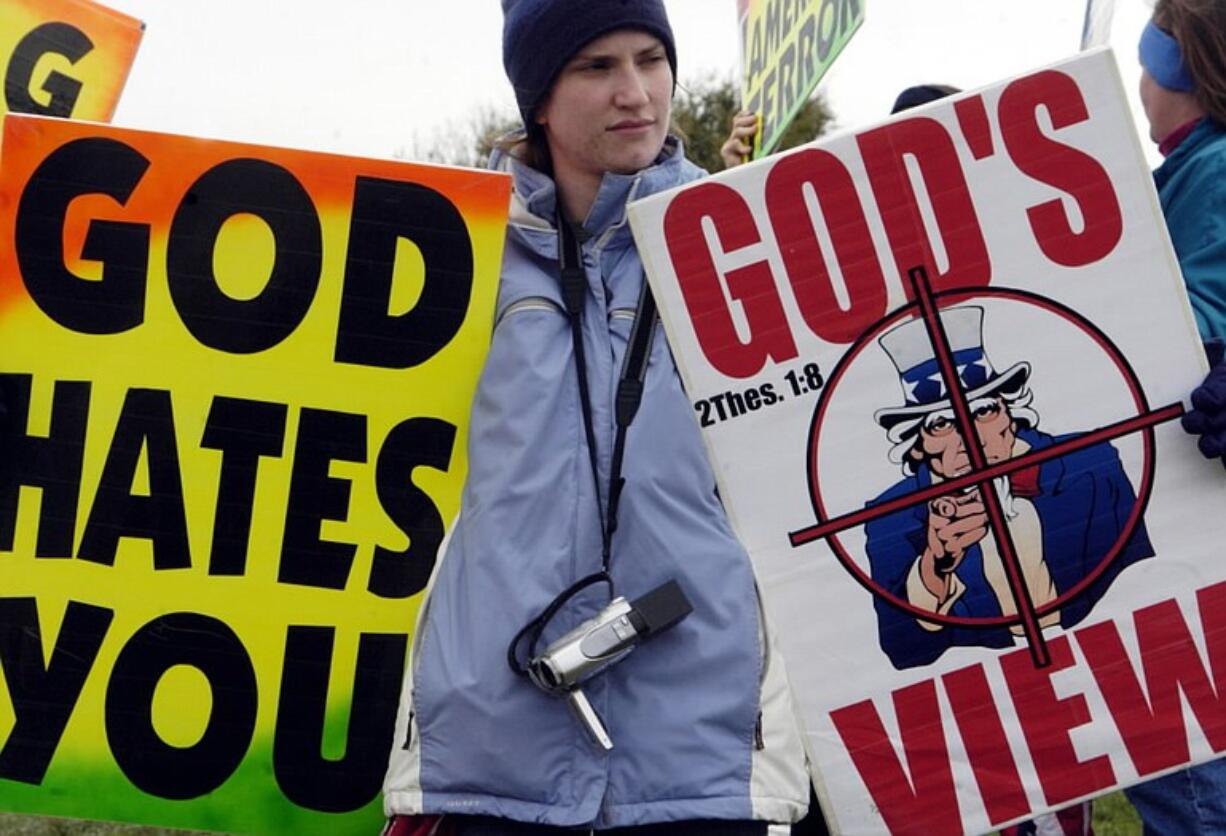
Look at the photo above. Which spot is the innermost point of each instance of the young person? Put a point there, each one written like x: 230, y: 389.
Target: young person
x: 704, y: 739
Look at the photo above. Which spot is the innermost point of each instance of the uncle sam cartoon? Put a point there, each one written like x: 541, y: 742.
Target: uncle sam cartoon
x: 1064, y: 515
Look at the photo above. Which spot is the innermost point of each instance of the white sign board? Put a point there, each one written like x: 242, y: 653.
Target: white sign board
x: 975, y: 633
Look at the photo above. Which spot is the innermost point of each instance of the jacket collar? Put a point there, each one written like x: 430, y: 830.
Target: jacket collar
x: 1203, y: 133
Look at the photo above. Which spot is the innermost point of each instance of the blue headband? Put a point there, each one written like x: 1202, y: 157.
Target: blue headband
x: 1162, y: 59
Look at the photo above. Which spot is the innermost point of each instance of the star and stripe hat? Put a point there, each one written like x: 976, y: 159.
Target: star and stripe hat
x: 911, y: 351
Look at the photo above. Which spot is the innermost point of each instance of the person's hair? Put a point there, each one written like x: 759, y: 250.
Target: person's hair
x: 921, y: 94
x: 529, y: 146
x: 1200, y: 28
x: 1017, y: 403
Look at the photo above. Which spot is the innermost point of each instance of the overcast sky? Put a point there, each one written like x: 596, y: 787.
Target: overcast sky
x: 391, y: 77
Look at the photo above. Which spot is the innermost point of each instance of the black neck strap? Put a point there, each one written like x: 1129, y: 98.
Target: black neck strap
x: 629, y: 384
x: 629, y: 396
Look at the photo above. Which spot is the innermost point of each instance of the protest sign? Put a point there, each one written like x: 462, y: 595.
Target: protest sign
x: 1096, y: 29
x: 237, y: 383
x: 975, y: 633
x: 786, y: 48
x: 67, y: 58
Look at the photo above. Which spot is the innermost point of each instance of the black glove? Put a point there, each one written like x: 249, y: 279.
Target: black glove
x: 1207, y: 417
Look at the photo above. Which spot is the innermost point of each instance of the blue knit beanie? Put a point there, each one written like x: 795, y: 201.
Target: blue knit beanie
x: 540, y: 36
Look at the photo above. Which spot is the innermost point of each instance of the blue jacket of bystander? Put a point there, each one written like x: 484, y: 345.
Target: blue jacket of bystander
x: 1192, y: 187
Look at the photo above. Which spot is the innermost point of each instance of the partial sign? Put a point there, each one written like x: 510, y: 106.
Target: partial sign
x: 66, y: 58
x: 1096, y: 30
x: 786, y: 48
x: 237, y: 383
x: 981, y: 632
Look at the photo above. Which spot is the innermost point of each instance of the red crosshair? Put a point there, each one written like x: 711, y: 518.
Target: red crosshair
x: 981, y: 474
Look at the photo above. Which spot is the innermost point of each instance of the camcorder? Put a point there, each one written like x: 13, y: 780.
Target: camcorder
x: 600, y: 642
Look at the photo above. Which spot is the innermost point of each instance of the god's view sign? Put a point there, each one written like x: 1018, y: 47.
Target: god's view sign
x: 237, y: 381
x: 939, y: 363
x: 67, y: 58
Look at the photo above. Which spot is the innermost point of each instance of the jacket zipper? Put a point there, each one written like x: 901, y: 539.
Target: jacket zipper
x: 530, y: 303
x: 758, y: 738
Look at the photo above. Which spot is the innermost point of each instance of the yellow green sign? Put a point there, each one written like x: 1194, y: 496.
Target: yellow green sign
x: 786, y: 48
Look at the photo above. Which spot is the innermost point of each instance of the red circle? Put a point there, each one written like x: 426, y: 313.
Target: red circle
x: 945, y: 299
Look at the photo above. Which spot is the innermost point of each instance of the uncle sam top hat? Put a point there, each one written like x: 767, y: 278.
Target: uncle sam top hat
x: 910, y: 349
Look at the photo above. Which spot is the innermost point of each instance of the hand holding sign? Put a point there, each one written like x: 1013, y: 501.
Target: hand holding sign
x: 739, y: 144
x: 1207, y: 418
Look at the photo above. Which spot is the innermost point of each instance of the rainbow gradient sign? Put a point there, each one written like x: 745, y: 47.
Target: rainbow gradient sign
x: 66, y: 58
x: 237, y: 383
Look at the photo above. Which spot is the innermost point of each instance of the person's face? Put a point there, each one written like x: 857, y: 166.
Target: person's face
x: 941, y: 444
x: 1165, y: 109
x: 609, y: 108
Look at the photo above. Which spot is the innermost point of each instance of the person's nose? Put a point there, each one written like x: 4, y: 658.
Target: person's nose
x: 631, y: 88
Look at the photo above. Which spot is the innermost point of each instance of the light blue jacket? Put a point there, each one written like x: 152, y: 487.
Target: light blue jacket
x: 700, y: 716
x: 1192, y: 187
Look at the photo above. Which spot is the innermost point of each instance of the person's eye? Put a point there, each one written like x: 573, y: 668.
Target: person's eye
x: 986, y: 411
